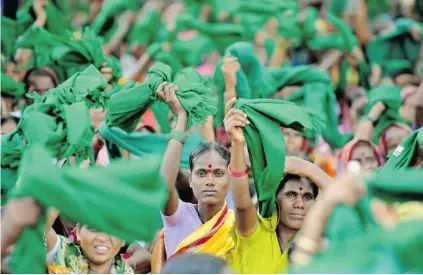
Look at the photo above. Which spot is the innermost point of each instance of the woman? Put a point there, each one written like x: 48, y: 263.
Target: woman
x: 201, y: 227
x: 269, y: 236
x: 363, y: 151
x: 392, y: 136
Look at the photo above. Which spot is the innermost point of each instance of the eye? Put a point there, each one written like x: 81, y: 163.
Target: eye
x: 290, y: 195
x: 219, y: 173
x: 92, y: 229
x: 308, y: 197
x: 201, y: 173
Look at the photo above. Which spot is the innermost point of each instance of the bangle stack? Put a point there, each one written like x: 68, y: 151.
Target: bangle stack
x: 237, y: 174
x: 178, y: 135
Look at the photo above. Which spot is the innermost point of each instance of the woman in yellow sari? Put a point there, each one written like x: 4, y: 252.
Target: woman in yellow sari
x: 203, y: 227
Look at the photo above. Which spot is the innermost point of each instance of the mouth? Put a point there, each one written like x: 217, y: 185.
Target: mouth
x: 101, y: 249
x: 297, y: 216
x: 210, y: 192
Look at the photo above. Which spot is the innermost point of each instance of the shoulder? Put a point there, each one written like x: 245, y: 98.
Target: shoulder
x: 264, y: 232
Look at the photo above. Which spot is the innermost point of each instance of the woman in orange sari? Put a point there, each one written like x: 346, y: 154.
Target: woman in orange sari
x: 205, y: 226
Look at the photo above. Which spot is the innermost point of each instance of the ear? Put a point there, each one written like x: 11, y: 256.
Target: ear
x: 190, y: 179
x: 123, y: 244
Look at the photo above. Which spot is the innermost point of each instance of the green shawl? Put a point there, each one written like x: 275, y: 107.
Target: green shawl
x: 395, y: 50
x: 125, y: 108
x: 59, y: 16
x: 266, y: 145
x: 10, y: 87
x: 317, y: 93
x: 368, y: 240
x: 9, y: 34
x: 147, y: 144
x: 68, y: 53
x: 157, y: 53
x: 144, y: 32
x: 363, y: 71
x: 121, y: 200
x: 391, y: 97
x: 401, y: 158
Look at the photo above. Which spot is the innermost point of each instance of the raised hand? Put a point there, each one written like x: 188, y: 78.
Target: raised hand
x: 234, y: 121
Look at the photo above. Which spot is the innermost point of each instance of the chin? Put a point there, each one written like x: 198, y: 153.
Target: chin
x: 295, y: 225
x: 100, y: 259
x: 210, y: 200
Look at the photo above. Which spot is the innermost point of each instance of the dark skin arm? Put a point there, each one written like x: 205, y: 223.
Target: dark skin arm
x: 172, y: 156
x: 245, y: 212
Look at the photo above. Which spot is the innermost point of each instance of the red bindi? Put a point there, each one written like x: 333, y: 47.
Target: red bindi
x: 210, y: 168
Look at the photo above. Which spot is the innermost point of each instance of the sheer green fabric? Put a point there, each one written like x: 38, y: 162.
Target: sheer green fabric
x: 266, y: 145
x: 112, y: 201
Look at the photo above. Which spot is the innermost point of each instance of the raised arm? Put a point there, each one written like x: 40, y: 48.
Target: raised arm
x: 308, y: 242
x: 245, y: 212
x: 365, y: 128
x: 303, y: 168
x: 172, y: 156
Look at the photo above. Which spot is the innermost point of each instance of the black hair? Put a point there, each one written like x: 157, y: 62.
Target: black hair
x: 207, y: 147
x: 44, y: 71
x: 289, y: 177
x: 182, y: 186
x: 197, y: 263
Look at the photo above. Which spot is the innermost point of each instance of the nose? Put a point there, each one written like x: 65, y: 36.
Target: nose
x: 102, y: 236
x: 299, y: 202
x: 210, y: 180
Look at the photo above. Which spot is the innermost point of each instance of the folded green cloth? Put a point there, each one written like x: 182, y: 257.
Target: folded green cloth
x: 157, y: 53
x: 266, y: 145
x: 65, y: 130
x: 59, y: 16
x: 87, y: 85
x: 111, y: 9
x: 402, y: 156
x: 68, y: 53
x: 121, y: 200
x: 147, y: 144
x: 395, y: 50
x: 10, y: 87
x: 125, y: 108
x: 317, y: 93
x: 391, y: 97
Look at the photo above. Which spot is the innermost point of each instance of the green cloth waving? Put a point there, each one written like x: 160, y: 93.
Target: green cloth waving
x: 147, y: 144
x: 126, y: 107
x: 59, y: 16
x: 123, y: 200
x: 266, y: 145
x: 10, y: 87
x: 67, y: 53
x: 391, y: 97
x: 395, y: 50
x: 317, y: 93
x: 9, y: 34
x: 88, y: 86
x: 402, y: 157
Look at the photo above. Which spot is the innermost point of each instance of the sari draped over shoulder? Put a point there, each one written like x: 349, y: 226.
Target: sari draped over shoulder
x: 213, y: 237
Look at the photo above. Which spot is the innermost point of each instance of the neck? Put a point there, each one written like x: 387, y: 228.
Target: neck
x: 285, y: 234
x: 100, y: 269
x: 207, y: 211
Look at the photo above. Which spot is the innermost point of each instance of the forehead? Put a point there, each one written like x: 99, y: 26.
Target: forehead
x: 362, y: 149
x: 212, y: 158
x: 395, y: 132
x: 297, y: 185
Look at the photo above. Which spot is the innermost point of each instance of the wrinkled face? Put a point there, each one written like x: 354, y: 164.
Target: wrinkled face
x: 393, y: 137
x: 209, y: 178
x: 40, y: 84
x: 98, y: 247
x: 293, y: 140
x: 295, y: 199
x: 365, y: 155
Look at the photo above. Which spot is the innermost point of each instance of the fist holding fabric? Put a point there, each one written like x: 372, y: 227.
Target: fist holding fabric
x: 234, y: 121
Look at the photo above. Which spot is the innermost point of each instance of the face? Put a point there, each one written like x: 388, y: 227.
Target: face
x: 295, y: 199
x: 98, y: 247
x: 293, y: 140
x: 394, y: 136
x: 40, y: 84
x: 8, y: 126
x: 209, y: 178
x: 365, y: 155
